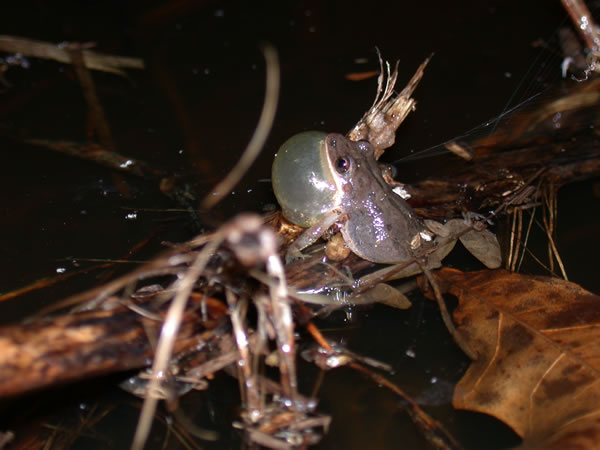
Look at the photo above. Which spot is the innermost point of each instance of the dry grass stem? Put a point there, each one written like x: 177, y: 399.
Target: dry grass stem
x: 458, y: 337
x: 585, y: 25
x: 57, y: 52
x: 88, y: 88
x: 260, y: 135
x: 549, y: 220
x: 167, y: 339
x: 380, y: 122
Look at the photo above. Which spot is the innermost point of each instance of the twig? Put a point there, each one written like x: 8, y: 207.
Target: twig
x: 433, y: 431
x: 527, y: 234
x: 46, y: 282
x: 519, y: 234
x: 283, y: 322
x: 511, y: 244
x: 167, y: 339
x: 549, y: 220
x: 56, y: 52
x: 458, y: 338
x: 250, y: 391
x: 5, y: 438
x: 584, y: 24
x: 91, y: 97
x: 100, y: 154
x: 379, y: 124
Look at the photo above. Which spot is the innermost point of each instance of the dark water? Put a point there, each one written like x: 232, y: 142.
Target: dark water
x: 193, y: 110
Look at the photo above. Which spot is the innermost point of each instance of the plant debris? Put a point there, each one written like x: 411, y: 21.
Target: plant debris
x: 537, y: 366
x: 58, y: 52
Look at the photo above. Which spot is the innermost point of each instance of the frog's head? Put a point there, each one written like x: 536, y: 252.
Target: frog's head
x: 351, y: 163
x: 302, y: 180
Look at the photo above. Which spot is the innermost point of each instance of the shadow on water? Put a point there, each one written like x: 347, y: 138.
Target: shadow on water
x: 193, y: 110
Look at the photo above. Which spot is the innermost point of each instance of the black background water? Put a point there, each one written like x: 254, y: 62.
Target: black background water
x: 199, y: 98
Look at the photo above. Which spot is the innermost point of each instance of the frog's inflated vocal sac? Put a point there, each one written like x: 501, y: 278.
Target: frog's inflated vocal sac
x: 324, y: 179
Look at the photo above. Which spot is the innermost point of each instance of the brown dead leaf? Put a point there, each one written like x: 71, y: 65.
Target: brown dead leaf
x: 538, y: 346
x: 484, y: 246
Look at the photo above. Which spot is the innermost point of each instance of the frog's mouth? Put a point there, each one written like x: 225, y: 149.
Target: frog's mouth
x: 336, y: 183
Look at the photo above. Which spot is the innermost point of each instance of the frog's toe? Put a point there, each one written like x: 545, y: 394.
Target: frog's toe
x: 293, y: 254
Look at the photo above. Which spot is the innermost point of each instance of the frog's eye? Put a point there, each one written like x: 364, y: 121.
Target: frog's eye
x: 302, y: 179
x: 342, y: 165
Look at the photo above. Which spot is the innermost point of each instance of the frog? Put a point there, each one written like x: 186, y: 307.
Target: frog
x: 326, y: 181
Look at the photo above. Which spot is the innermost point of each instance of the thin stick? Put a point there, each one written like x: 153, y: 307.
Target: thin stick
x: 519, y: 232
x: 527, y: 234
x: 100, y: 155
x: 549, y: 225
x: 458, y: 338
x: 250, y: 388
x: 260, y: 134
x: 547, y: 220
x: 433, y: 431
x: 539, y: 261
x: 167, y: 339
x: 46, y: 50
x: 511, y: 245
x: 284, y: 327
x: 558, y: 258
x: 46, y: 282
x: 91, y: 97
x: 584, y: 23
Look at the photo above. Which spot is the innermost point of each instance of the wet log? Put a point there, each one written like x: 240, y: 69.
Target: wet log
x: 58, y: 350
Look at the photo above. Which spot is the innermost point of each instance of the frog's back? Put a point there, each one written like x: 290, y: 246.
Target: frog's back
x: 383, y: 236
x: 380, y: 226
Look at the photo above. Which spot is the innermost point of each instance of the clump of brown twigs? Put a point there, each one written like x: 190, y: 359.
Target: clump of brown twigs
x: 275, y: 414
x: 257, y: 328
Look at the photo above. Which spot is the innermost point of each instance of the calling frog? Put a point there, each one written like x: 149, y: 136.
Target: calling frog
x: 325, y: 180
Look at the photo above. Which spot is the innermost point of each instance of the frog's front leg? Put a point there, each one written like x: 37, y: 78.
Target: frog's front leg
x: 431, y: 259
x: 311, y: 235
